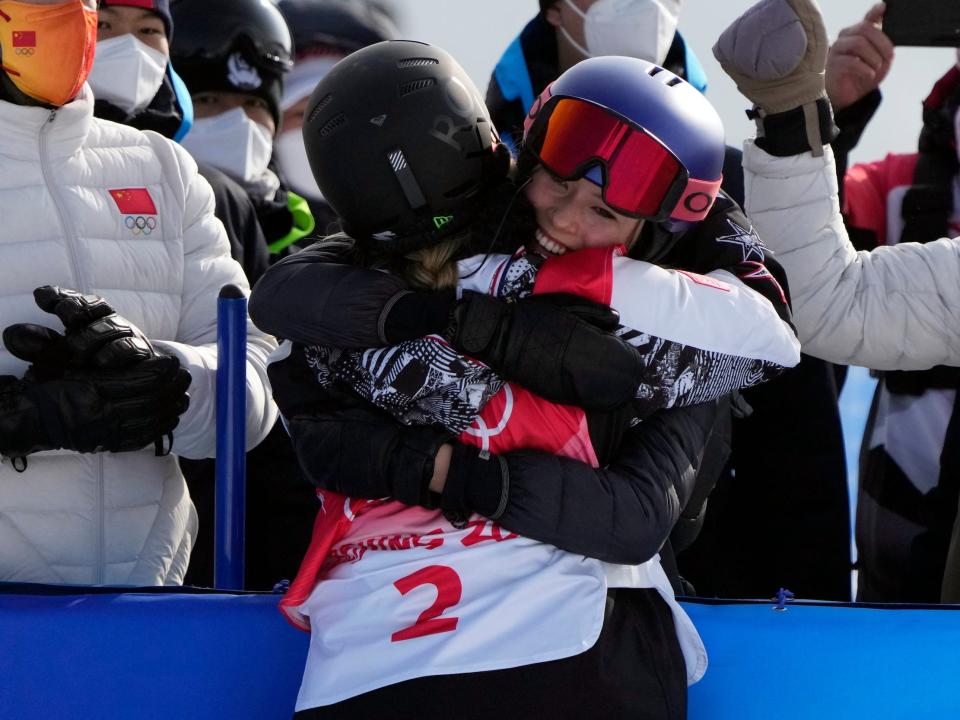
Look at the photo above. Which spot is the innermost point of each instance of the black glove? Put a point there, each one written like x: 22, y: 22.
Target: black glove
x: 99, y: 386
x: 363, y: 452
x: 93, y: 410
x: 95, y: 335
x: 557, y: 345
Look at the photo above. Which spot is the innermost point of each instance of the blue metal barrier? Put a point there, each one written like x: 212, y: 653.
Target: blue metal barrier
x: 158, y: 655
x: 146, y: 655
x: 161, y: 653
x: 231, y: 438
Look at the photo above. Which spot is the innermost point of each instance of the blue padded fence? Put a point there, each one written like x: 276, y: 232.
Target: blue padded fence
x: 112, y: 655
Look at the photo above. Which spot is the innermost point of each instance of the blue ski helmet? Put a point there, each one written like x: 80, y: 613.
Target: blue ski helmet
x: 651, y: 140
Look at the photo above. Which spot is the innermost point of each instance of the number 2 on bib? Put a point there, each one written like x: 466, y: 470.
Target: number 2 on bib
x: 449, y: 590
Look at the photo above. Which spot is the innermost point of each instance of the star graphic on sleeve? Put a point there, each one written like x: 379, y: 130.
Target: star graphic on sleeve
x: 750, y: 243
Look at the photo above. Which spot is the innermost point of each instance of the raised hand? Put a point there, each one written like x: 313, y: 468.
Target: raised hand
x: 858, y: 60
x: 776, y: 52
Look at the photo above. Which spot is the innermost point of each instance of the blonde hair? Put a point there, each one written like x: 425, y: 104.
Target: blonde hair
x: 430, y: 268
x: 434, y: 267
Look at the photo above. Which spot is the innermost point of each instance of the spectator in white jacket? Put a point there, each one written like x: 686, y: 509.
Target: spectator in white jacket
x: 89, y: 493
x: 896, y: 307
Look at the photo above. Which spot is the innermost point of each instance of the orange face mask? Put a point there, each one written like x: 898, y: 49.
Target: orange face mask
x: 47, y: 50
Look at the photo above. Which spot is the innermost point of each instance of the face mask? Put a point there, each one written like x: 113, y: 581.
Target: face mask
x: 233, y: 143
x: 291, y: 157
x: 636, y: 28
x: 47, y: 49
x: 127, y: 73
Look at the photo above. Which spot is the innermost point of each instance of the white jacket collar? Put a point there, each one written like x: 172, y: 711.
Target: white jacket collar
x: 22, y: 126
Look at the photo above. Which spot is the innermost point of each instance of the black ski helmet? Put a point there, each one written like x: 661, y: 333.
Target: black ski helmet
x: 401, y: 144
x: 335, y: 25
x: 233, y: 46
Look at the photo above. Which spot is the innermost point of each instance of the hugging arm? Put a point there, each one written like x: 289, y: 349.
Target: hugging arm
x: 547, y: 343
x: 316, y: 297
x: 620, y: 513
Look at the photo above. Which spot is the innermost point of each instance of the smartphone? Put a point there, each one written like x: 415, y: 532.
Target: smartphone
x: 925, y: 23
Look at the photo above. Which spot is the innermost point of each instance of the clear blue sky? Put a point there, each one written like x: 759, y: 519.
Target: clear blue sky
x: 477, y: 31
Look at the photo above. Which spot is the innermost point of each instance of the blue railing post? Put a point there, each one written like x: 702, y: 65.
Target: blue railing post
x: 231, y: 439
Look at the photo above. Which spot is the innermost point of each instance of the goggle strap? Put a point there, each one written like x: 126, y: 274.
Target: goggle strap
x: 697, y: 199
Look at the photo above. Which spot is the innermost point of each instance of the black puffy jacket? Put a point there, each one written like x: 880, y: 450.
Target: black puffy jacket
x: 622, y: 512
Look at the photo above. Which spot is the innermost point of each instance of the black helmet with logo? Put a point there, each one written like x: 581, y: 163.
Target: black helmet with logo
x: 401, y: 144
x: 241, y: 46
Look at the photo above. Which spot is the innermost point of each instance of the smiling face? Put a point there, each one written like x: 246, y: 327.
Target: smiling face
x: 145, y: 25
x: 571, y: 215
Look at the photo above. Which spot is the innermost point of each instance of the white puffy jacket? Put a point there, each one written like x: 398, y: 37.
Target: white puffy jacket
x: 123, y: 518
x: 894, y: 308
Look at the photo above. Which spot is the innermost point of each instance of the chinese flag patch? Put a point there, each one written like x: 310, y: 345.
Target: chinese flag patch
x: 134, y: 201
x: 25, y: 38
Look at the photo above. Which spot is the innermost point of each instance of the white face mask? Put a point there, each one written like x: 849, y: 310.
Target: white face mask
x: 291, y: 157
x: 232, y: 143
x: 636, y: 28
x: 127, y: 73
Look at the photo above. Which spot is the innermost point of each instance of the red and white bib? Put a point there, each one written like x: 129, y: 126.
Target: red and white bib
x: 391, y: 592
x: 407, y: 595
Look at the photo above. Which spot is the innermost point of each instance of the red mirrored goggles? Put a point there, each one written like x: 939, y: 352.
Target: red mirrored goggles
x: 641, y: 177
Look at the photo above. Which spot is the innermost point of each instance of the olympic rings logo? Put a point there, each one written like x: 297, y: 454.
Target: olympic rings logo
x: 140, y: 225
x: 28, y: 52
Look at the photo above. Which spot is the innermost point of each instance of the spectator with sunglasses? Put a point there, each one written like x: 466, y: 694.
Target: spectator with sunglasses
x: 517, y: 606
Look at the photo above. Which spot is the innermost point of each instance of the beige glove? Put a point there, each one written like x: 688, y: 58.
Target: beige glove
x: 776, y: 52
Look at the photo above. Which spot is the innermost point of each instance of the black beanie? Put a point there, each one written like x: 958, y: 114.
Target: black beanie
x: 236, y: 72
x: 160, y: 7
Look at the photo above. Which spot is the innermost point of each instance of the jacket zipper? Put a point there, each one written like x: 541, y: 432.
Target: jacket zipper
x: 68, y: 234
x: 70, y: 240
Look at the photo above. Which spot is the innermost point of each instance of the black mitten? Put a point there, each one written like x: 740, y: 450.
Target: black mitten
x: 557, y: 345
x: 363, y: 452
